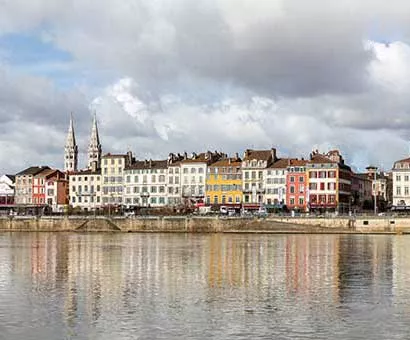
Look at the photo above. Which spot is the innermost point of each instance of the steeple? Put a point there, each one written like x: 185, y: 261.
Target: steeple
x: 94, y: 148
x: 70, y: 149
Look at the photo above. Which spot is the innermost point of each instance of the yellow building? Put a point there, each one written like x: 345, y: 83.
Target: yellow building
x: 224, y: 182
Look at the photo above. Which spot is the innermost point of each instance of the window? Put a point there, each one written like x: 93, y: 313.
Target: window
x: 301, y: 179
x: 292, y: 179
x: 246, y: 175
x: 292, y: 189
x: 292, y: 201
x: 398, y: 191
x: 301, y: 200
x: 215, y: 199
x: 313, y: 174
x: 398, y: 178
x: 406, y: 191
x: 301, y: 189
x: 322, y: 186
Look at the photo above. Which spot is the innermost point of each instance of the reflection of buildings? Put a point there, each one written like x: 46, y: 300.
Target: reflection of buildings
x: 365, y: 264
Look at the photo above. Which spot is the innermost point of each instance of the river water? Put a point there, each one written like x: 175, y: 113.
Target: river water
x: 185, y: 286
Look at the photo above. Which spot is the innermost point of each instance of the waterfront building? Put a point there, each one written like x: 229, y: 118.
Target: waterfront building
x: 296, y: 185
x: 401, y: 184
x: 253, y: 165
x: 112, y: 170
x: 50, y: 188
x: 24, y: 184
x: 329, y: 182
x: 85, y: 189
x: 174, y: 180
x: 70, y: 149
x: 194, y: 171
x: 7, y: 183
x: 145, y: 184
x: 275, y: 183
x: 57, y: 191
x: 361, y: 191
x: 94, y: 147
x: 224, y: 182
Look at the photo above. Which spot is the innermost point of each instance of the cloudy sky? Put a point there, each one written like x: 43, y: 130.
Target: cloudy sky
x: 183, y: 75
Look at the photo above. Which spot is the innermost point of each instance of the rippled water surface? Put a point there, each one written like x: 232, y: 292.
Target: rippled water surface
x: 177, y: 286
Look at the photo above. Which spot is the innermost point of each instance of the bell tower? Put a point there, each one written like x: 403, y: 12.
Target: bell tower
x: 94, y: 148
x: 70, y: 149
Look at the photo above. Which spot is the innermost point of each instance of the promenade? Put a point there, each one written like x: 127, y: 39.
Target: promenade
x: 207, y: 224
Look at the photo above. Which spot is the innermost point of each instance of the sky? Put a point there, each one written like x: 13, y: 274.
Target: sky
x: 182, y: 75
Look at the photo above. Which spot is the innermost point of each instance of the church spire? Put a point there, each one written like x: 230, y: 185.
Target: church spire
x: 94, y: 148
x: 70, y: 149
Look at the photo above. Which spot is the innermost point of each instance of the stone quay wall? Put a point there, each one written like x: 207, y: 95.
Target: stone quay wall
x: 197, y: 224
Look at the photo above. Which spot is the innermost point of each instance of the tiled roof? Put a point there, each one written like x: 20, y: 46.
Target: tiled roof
x: 33, y: 170
x: 227, y: 162
x: 298, y: 162
x: 406, y: 160
x: 151, y: 164
x: 281, y: 163
x: 321, y: 159
x: 263, y: 155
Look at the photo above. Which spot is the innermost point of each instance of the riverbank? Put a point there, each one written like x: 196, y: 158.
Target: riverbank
x: 197, y: 224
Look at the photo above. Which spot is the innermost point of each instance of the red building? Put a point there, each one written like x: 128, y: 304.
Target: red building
x: 50, y: 188
x: 296, y: 185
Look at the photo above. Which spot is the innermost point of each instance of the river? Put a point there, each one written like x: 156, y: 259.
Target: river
x: 211, y: 286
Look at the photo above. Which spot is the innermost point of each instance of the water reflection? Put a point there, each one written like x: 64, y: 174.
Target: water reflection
x: 169, y: 286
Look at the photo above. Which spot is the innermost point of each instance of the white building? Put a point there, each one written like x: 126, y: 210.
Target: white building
x: 112, y: 167
x: 85, y: 189
x: 193, y: 175
x: 7, y: 189
x: 254, y: 165
x: 145, y: 184
x: 174, y: 180
x: 401, y: 184
x: 275, y: 183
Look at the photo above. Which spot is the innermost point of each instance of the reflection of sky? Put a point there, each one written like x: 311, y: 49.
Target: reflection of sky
x: 204, y: 286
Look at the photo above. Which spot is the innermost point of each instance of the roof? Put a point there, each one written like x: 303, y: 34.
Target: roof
x: 227, y: 162
x: 114, y: 155
x: 321, y: 159
x: 11, y: 177
x: 46, y: 172
x: 298, y: 162
x: 33, y: 170
x: 85, y: 172
x: 406, y: 160
x: 264, y: 155
x: 281, y: 163
x: 148, y: 164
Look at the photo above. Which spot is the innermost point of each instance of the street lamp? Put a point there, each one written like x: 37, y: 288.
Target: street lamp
x: 374, y: 169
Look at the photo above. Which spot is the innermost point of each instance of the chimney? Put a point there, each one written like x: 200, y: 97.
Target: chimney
x: 236, y: 156
x: 150, y: 163
x: 185, y: 155
x: 273, y: 153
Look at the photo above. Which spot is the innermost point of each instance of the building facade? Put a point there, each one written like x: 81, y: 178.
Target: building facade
x: 253, y: 184
x: 224, y: 183
x: 275, y: 183
x: 112, y: 169
x: 401, y: 184
x: 174, y: 180
x: 330, y: 182
x: 7, y: 183
x: 85, y: 189
x: 296, y: 185
x: 145, y: 184
x: 193, y: 175
x: 24, y: 184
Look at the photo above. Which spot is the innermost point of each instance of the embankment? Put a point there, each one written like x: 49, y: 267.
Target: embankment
x: 196, y: 224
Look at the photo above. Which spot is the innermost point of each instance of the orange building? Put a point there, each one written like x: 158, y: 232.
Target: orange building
x: 296, y: 185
